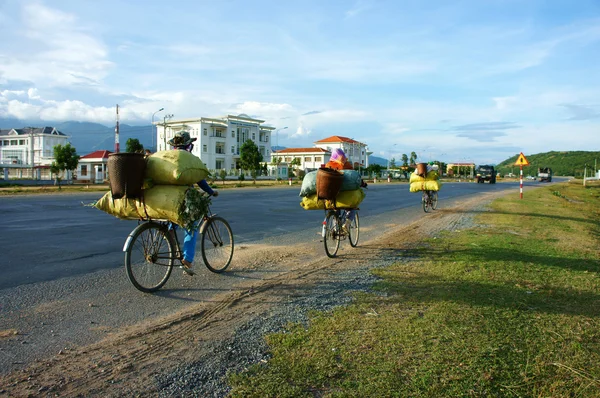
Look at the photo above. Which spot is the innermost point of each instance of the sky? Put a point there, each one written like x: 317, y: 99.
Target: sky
x: 457, y: 81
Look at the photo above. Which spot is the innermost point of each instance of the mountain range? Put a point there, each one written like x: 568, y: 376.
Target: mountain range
x: 88, y: 137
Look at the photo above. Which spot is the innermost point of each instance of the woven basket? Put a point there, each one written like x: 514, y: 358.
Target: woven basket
x: 329, y: 183
x: 126, y: 174
x: 422, y: 169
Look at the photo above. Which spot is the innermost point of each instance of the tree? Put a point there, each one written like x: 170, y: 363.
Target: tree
x: 223, y: 175
x: 392, y: 163
x: 413, y: 158
x: 375, y: 169
x: 276, y: 161
x: 404, y: 160
x: 65, y: 158
x: 250, y: 158
x: 133, y: 145
x: 295, y: 163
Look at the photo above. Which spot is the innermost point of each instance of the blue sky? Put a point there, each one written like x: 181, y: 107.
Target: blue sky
x: 450, y: 80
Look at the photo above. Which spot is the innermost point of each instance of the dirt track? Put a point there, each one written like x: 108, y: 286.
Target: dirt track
x: 128, y: 363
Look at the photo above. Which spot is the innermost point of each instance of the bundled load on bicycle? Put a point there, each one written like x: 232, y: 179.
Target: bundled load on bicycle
x: 425, y: 178
x: 335, y: 186
x: 158, y: 186
x: 158, y: 189
x: 337, y: 189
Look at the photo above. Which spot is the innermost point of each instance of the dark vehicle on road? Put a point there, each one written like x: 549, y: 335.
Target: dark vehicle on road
x: 485, y: 173
x: 545, y: 174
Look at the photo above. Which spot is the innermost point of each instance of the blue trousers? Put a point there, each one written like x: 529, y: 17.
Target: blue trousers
x: 190, y: 238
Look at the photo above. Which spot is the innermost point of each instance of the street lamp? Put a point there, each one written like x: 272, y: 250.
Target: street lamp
x: 277, y: 133
x: 167, y: 116
x: 153, y: 134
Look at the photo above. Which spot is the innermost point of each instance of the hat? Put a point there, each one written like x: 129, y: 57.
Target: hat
x: 337, y: 155
x: 181, y: 138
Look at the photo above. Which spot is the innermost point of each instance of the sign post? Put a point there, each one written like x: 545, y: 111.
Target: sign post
x: 521, y: 161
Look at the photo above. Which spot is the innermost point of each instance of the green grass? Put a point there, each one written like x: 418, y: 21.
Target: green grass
x: 511, y: 308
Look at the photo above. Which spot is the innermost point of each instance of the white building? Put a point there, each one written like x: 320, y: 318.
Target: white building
x: 92, y: 167
x: 218, y: 139
x: 28, y: 151
x: 310, y: 158
x: 355, y: 151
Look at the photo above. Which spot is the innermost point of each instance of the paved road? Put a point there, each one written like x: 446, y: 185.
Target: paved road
x: 47, y: 237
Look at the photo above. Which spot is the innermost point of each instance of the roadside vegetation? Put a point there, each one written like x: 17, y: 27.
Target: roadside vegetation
x: 508, y: 308
x: 567, y: 163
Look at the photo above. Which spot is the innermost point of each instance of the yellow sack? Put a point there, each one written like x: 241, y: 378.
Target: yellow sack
x: 426, y: 185
x: 344, y: 200
x: 175, y: 167
x: 180, y: 204
x: 432, y: 175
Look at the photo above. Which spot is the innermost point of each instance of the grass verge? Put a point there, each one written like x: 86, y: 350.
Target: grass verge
x: 510, y: 308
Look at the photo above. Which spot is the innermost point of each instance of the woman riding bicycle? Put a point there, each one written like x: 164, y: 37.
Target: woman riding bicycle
x: 338, y: 161
x: 183, y: 141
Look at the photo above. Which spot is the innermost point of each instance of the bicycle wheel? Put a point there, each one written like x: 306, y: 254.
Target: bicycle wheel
x: 434, y: 200
x: 425, y: 202
x: 216, y: 244
x: 354, y: 231
x: 149, y: 256
x: 331, y: 240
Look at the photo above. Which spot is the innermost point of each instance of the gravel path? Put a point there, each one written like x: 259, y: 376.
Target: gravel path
x: 189, y: 353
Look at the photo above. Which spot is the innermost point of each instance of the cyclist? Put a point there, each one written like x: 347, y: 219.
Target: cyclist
x: 338, y: 161
x: 183, y: 141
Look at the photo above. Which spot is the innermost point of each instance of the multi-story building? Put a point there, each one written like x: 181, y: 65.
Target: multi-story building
x: 313, y: 158
x: 219, y: 139
x: 25, y: 152
x: 310, y: 158
x: 355, y: 151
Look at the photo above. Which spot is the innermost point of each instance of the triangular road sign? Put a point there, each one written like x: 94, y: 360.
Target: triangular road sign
x: 521, y: 160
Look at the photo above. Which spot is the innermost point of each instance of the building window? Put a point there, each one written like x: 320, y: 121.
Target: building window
x: 288, y: 159
x: 21, y: 142
x: 219, y: 164
x: 6, y: 142
x: 204, y: 148
x: 232, y: 133
x: 205, y: 133
x: 220, y: 148
x: 253, y: 136
x: 84, y: 170
x: 232, y: 149
x: 13, y: 142
x: 317, y: 158
x: 307, y: 158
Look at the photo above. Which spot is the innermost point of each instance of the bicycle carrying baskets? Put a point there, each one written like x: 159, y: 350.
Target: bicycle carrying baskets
x: 126, y: 174
x: 329, y: 183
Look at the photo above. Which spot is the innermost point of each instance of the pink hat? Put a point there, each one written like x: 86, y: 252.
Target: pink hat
x: 337, y: 155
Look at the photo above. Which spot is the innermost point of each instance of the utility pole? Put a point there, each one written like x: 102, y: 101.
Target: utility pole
x: 32, y: 152
x: 168, y: 116
x: 117, y: 132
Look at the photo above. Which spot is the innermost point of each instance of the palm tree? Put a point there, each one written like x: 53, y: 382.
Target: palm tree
x: 413, y: 157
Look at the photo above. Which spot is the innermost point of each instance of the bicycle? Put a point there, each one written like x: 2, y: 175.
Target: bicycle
x: 334, y: 231
x: 152, y: 249
x: 429, y: 200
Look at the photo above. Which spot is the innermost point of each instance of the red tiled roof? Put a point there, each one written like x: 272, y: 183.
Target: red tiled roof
x: 337, y: 138
x: 302, y: 150
x: 97, y: 154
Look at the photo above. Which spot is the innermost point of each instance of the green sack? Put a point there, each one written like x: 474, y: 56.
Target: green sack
x: 351, y: 182
x: 175, y: 167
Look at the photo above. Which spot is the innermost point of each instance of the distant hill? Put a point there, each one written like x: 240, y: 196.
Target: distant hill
x: 377, y: 160
x: 89, y: 137
x: 570, y: 163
